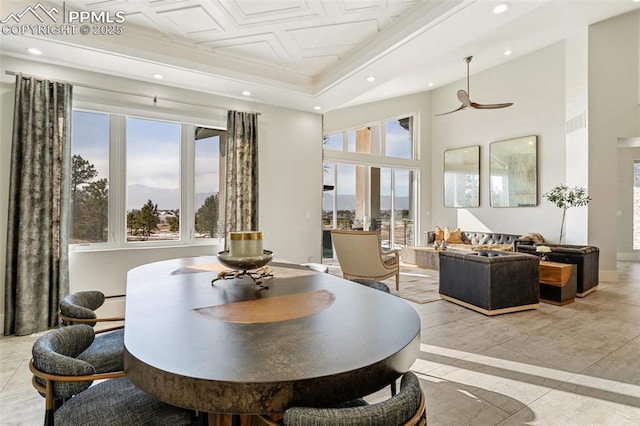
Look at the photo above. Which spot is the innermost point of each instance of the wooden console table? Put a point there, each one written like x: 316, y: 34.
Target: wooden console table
x: 557, y: 283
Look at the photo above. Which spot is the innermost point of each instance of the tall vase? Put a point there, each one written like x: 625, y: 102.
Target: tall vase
x: 563, y: 231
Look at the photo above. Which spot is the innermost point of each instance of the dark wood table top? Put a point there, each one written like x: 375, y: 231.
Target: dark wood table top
x: 310, y: 339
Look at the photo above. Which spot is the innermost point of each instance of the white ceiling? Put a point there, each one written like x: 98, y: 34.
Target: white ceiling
x: 303, y: 53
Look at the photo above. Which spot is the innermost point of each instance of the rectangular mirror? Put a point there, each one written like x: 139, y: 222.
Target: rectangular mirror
x: 462, y: 177
x: 513, y: 172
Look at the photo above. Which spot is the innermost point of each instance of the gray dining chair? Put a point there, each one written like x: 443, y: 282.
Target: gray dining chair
x: 372, y: 284
x: 106, y: 353
x: 407, y: 407
x: 80, y: 307
x: 65, y: 381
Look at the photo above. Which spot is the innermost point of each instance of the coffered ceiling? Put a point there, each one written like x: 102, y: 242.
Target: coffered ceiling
x: 302, y: 53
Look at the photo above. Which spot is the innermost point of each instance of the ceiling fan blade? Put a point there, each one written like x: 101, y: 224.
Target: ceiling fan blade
x: 463, y: 96
x: 460, y: 108
x: 490, y: 106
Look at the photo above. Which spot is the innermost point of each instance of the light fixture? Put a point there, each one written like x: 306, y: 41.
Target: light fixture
x: 157, y: 76
x: 431, y: 84
x: 371, y: 78
x: 246, y: 93
x: 317, y: 107
x: 501, y: 8
x: 34, y: 51
x: 507, y: 52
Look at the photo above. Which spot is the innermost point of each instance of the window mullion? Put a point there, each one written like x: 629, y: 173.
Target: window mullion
x: 117, y: 180
x: 187, y: 183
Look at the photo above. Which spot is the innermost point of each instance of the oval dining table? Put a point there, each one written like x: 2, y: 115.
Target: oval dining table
x: 231, y: 348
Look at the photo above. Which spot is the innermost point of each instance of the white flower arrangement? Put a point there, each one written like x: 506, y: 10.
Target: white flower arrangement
x: 543, y: 249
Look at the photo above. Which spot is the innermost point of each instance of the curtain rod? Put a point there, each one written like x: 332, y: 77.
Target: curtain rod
x: 154, y: 98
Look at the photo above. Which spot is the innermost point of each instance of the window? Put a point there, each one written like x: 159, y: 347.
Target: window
x: 399, y: 138
x: 371, y: 181
x: 140, y: 181
x: 391, y: 138
x: 208, y: 181
x: 153, y: 180
x: 90, y: 178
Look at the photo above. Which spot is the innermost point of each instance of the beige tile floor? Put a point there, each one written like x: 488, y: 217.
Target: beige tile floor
x: 577, y: 364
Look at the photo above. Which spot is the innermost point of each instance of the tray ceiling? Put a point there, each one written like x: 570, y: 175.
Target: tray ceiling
x: 301, y: 53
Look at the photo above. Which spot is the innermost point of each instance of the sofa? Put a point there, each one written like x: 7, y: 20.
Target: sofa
x: 586, y: 259
x: 491, y: 282
x: 474, y: 241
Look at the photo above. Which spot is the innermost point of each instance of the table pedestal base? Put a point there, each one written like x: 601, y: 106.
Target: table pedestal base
x: 235, y: 420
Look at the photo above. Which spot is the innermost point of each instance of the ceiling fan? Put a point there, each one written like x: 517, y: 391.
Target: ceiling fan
x: 467, y: 103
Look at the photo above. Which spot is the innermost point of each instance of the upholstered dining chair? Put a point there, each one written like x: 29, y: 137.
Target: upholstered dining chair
x: 65, y: 381
x: 377, y: 285
x: 106, y: 353
x: 79, y: 308
x: 360, y: 256
x: 407, y: 407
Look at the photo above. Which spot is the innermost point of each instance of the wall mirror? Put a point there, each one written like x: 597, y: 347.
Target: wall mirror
x: 513, y: 172
x: 462, y: 177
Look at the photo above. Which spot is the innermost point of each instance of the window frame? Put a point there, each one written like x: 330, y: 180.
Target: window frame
x: 117, y: 238
x: 379, y: 159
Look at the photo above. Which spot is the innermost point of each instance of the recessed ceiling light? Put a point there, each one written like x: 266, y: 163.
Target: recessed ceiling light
x: 501, y: 8
x: 157, y: 76
x: 34, y: 51
x: 371, y: 78
x: 507, y: 52
x: 431, y: 84
x: 246, y: 93
x: 317, y: 107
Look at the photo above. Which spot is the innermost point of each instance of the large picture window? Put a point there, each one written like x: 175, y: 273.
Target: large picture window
x: 143, y: 181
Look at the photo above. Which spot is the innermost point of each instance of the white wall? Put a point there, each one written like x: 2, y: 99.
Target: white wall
x: 290, y: 162
x: 535, y: 84
x: 577, y: 132
x: 613, y: 113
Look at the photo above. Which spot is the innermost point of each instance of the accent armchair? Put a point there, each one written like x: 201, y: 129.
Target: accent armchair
x: 360, y: 256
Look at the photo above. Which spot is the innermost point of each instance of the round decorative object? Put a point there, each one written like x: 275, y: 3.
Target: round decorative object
x: 245, y: 263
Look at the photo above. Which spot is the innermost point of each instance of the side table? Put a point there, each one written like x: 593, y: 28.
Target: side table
x: 558, y: 283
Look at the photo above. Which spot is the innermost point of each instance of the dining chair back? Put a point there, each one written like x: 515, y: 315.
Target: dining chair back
x: 360, y: 256
x: 407, y: 407
x: 79, y: 308
x: 65, y: 381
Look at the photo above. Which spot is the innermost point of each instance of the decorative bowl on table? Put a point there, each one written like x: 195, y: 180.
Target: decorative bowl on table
x: 245, y: 263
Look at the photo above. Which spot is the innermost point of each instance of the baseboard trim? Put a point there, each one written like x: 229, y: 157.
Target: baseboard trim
x: 492, y: 311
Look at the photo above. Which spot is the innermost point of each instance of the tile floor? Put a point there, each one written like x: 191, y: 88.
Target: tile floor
x: 577, y: 364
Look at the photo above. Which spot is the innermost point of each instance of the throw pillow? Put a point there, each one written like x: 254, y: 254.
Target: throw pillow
x: 534, y: 237
x: 439, y: 233
x: 453, y: 237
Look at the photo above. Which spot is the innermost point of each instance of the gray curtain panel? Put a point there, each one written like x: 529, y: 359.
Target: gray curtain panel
x: 241, y: 203
x: 37, y: 273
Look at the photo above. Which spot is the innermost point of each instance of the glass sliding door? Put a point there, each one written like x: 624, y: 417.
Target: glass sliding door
x: 365, y: 197
x: 404, y: 208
